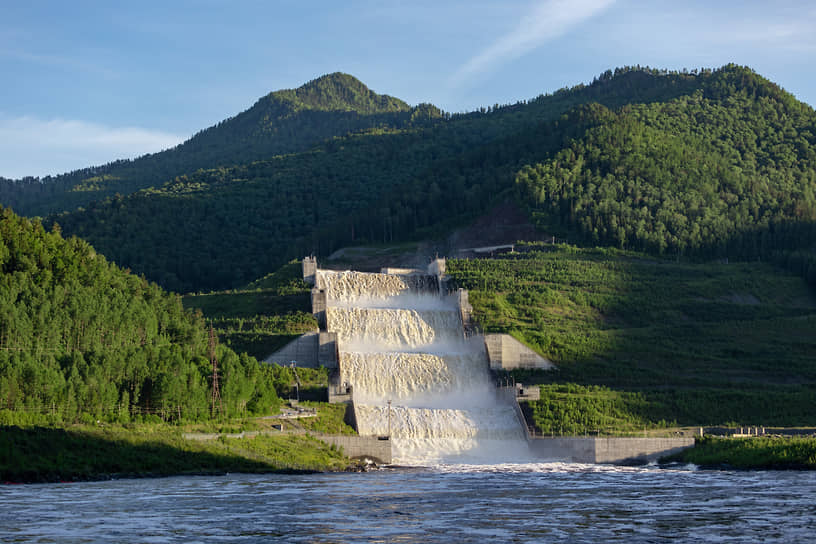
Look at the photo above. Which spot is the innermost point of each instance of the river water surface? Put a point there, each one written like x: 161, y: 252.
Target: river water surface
x: 500, y: 503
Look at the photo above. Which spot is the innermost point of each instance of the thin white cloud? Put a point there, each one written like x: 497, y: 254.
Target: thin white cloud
x: 780, y: 35
x: 60, y: 62
x: 37, y: 147
x: 548, y: 20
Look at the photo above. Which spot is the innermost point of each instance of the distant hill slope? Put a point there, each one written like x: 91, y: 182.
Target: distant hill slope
x: 82, y: 339
x: 281, y: 122
x: 718, y: 163
x: 726, y: 171
x: 295, y: 120
x: 710, y: 164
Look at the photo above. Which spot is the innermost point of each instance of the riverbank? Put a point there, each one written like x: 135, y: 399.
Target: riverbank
x: 45, y: 454
x: 756, y: 453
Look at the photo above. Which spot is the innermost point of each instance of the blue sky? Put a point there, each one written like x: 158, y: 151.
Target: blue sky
x: 88, y: 82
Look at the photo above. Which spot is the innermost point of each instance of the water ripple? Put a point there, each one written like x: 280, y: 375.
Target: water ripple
x: 519, y: 503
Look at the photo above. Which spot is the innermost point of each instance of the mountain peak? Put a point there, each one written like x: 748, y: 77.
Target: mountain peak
x: 340, y: 92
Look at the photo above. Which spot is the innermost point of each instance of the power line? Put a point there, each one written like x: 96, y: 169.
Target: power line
x: 216, y: 390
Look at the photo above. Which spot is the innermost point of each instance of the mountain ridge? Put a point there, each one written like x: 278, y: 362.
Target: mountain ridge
x: 338, y: 91
x: 231, y: 225
x: 284, y: 121
x: 210, y: 148
x: 741, y: 140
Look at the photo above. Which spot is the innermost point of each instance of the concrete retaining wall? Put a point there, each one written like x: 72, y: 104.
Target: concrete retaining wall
x: 572, y: 449
x: 303, y: 349
x: 327, y: 349
x: 505, y: 353
x: 608, y: 450
x: 359, y: 447
x: 465, y: 311
x: 310, y: 350
x: 309, y: 270
x: 508, y: 394
x: 319, y: 307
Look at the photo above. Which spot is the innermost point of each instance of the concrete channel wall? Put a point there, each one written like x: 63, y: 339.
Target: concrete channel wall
x: 303, y: 350
x: 311, y: 350
x: 508, y: 394
x: 376, y: 448
x: 607, y: 450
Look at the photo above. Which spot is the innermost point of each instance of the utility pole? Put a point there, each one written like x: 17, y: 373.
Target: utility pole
x: 216, y: 390
x: 389, y: 419
x: 293, y: 365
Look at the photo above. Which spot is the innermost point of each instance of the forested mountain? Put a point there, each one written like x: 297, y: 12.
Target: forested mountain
x: 281, y: 122
x: 290, y: 121
x: 706, y: 164
x: 725, y: 171
x: 82, y: 339
x: 696, y: 165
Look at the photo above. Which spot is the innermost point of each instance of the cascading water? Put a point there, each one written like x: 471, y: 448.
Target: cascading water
x: 400, y: 341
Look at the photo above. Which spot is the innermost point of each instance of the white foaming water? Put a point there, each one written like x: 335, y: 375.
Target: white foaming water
x: 406, y: 376
x: 400, y: 343
x: 350, y: 286
x: 393, y: 328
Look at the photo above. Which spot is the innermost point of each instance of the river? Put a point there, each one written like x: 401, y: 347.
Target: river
x: 499, y: 503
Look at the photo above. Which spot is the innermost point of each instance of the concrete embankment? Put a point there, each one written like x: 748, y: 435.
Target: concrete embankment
x: 607, y: 450
x: 360, y: 447
x: 595, y: 449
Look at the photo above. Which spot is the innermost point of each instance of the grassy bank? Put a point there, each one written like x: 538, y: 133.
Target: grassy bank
x: 641, y: 342
x: 43, y: 454
x: 770, y: 453
x: 262, y: 317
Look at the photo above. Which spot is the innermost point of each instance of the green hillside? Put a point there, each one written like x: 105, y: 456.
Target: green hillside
x: 81, y: 339
x: 716, y: 163
x: 263, y: 316
x: 641, y: 341
x: 709, y: 164
x: 727, y: 171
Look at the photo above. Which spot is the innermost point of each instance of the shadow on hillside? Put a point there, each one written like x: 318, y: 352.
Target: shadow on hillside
x: 651, y: 339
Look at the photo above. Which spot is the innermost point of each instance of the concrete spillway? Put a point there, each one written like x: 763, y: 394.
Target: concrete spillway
x: 399, y: 340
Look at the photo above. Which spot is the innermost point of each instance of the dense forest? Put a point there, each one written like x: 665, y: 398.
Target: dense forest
x: 81, y: 339
x: 696, y: 165
x: 727, y: 171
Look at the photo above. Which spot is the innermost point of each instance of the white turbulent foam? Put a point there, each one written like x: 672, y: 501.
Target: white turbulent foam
x: 404, y: 376
x: 394, y: 328
x: 423, y: 436
x: 349, y: 286
x: 397, y: 343
x: 494, y: 422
